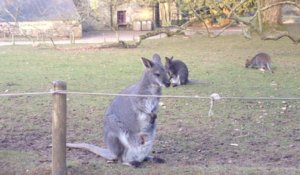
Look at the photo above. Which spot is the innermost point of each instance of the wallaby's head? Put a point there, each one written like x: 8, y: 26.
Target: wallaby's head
x: 248, y: 63
x: 155, y: 72
x: 169, y: 67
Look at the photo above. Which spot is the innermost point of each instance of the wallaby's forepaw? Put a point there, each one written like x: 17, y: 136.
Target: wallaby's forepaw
x: 143, y: 138
x: 153, y: 118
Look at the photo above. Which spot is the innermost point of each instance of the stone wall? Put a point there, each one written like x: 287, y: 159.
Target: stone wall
x: 54, y: 29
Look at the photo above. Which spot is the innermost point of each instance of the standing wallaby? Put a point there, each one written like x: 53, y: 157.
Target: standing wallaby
x: 178, y: 72
x: 259, y: 61
x: 129, y: 125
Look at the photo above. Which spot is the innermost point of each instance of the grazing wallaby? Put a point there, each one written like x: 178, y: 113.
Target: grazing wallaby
x: 259, y: 61
x: 178, y: 72
x: 129, y: 125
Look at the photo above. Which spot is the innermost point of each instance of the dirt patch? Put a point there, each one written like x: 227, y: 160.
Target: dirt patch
x: 209, y: 141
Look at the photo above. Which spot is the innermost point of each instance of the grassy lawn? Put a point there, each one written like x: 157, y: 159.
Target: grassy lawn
x: 242, y: 137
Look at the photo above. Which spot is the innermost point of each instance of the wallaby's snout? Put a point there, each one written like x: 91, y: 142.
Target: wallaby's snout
x: 161, y: 77
x: 167, y: 83
x: 164, y: 76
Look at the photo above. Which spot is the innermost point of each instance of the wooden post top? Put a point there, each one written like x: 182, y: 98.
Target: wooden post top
x: 59, y: 85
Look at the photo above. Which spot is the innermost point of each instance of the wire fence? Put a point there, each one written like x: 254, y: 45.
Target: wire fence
x: 211, y: 99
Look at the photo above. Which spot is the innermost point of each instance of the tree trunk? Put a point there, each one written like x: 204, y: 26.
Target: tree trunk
x: 271, y: 16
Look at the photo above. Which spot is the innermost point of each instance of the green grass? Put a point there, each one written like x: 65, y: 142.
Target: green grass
x: 242, y: 137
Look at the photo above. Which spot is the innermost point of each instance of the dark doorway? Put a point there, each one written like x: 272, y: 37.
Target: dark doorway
x: 121, y: 16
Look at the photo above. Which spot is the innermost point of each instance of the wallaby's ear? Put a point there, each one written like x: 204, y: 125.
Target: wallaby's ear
x: 171, y: 58
x: 147, y: 63
x: 168, y: 60
x: 156, y: 58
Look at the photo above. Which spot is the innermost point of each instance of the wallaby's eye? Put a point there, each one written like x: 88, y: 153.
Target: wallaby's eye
x: 157, y: 74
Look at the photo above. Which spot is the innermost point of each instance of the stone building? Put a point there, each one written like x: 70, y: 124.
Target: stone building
x: 69, y: 18
x: 128, y: 15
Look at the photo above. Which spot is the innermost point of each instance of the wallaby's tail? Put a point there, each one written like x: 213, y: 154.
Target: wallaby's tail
x: 105, y: 153
x: 198, y: 82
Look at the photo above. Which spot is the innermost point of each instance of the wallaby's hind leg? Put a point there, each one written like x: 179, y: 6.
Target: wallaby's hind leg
x: 183, y: 80
x: 121, y: 149
x: 154, y: 159
x: 137, y: 164
x: 134, y: 164
x: 115, y: 146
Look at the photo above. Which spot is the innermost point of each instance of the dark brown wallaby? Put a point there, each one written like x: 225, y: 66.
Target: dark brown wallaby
x: 178, y: 73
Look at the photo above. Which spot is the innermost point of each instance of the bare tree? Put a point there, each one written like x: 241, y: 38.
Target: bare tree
x: 14, y: 15
x: 272, y: 15
x: 268, y: 12
x: 15, y: 12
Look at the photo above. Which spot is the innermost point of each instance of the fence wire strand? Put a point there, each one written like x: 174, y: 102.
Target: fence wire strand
x: 213, y: 97
x: 25, y: 94
x: 157, y: 96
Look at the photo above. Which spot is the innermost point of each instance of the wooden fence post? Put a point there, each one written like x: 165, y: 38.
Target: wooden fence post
x: 59, y: 116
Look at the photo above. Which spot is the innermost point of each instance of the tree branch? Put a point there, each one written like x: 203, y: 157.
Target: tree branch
x: 222, y: 30
x: 234, y: 8
x: 281, y: 3
x: 278, y: 35
x: 201, y: 19
x: 127, y: 45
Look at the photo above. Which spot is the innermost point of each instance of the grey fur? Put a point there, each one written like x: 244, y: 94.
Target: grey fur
x: 260, y: 61
x: 129, y: 125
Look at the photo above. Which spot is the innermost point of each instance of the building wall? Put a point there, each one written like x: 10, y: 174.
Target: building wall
x: 134, y: 13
